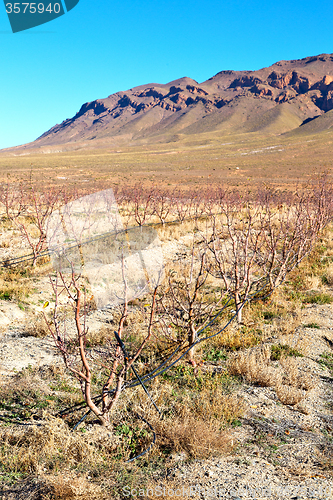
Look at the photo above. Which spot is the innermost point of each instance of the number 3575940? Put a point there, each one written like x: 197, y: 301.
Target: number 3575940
x: 32, y: 8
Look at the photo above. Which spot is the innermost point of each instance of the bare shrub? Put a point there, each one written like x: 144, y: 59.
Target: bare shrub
x: 112, y: 361
x: 289, y: 395
x: 195, y: 436
x: 29, y: 209
x: 138, y: 204
x: 162, y: 205
x: 187, y: 302
x: 37, y: 328
x: 71, y: 487
x: 236, y: 242
x: 294, y: 377
x: 254, y: 366
x: 260, y: 238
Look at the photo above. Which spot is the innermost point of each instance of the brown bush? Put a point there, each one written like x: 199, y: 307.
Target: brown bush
x: 195, y: 436
x: 55, y: 487
x: 99, y: 337
x: 254, y: 366
x: 37, y: 328
x: 289, y: 381
x: 289, y: 395
x: 70, y: 487
x: 294, y: 377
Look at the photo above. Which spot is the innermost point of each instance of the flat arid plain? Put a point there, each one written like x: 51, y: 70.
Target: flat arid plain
x: 166, y: 290
x: 241, y: 160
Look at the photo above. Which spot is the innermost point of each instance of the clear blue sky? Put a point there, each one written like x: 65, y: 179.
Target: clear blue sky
x: 103, y: 46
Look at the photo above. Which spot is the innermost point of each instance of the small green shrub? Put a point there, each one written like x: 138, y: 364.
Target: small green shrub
x: 5, y: 295
x: 283, y: 349
x: 318, y: 298
x: 269, y: 315
x: 216, y: 355
x: 326, y: 359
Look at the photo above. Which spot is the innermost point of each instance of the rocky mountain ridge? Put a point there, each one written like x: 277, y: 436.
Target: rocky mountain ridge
x: 276, y: 99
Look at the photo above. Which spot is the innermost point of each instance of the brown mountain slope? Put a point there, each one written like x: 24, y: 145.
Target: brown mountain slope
x: 272, y: 100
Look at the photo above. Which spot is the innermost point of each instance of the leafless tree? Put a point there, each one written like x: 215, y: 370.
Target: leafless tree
x: 29, y: 209
x: 162, y: 205
x: 83, y: 362
x: 189, y: 301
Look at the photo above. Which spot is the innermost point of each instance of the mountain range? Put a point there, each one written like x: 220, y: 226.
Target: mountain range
x: 290, y: 96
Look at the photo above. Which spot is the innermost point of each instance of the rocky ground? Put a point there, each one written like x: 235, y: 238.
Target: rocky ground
x: 282, y: 449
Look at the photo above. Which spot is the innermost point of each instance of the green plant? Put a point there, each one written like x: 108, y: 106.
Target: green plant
x: 5, y: 295
x: 269, y: 315
x: 312, y: 325
x: 283, y: 349
x: 326, y: 360
x: 133, y: 437
x: 317, y: 298
x: 216, y: 355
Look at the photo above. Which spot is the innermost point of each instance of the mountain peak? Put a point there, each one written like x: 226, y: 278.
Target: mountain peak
x: 274, y: 99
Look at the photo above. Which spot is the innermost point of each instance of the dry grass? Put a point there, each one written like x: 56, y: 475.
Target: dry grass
x: 254, y: 366
x: 329, y: 275
x: 30, y: 392
x: 299, y: 341
x: 71, y: 487
x: 25, y: 449
x: 277, y: 315
x: 37, y: 328
x: 290, y: 383
x: 14, y: 284
x: 289, y: 395
x: 288, y: 323
x: 197, y: 437
x: 65, y: 462
x: 51, y: 451
x: 99, y: 337
x: 197, y: 414
x: 313, y: 282
x: 236, y: 337
x: 294, y: 377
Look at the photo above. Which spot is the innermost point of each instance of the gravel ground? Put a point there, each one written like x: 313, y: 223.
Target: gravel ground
x: 281, y: 448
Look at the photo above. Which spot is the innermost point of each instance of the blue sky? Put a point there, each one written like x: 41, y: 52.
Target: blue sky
x: 103, y: 46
